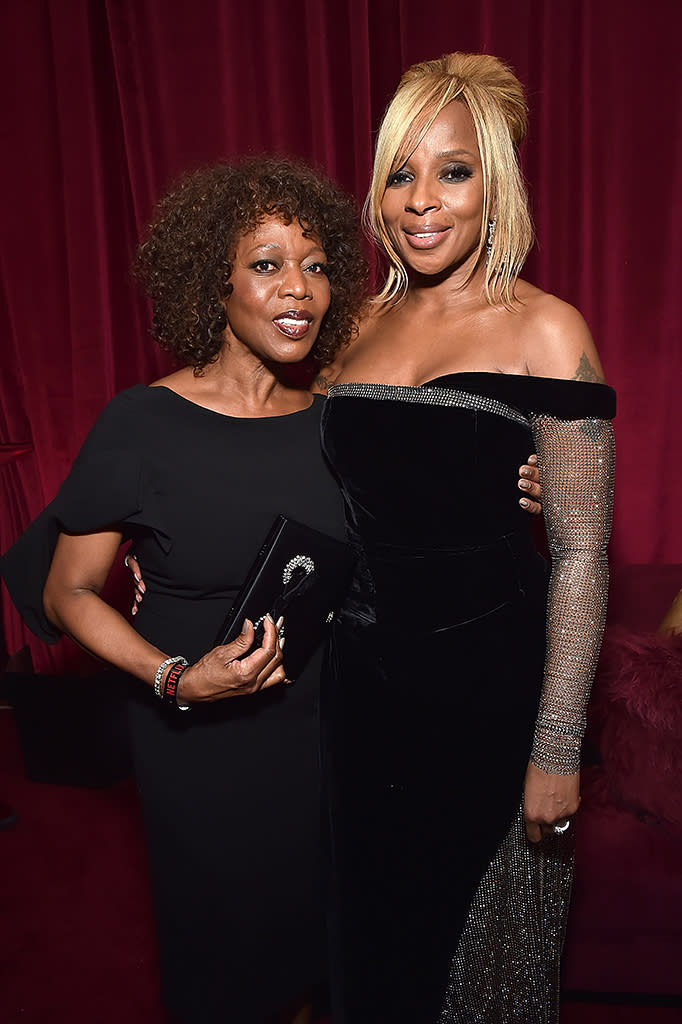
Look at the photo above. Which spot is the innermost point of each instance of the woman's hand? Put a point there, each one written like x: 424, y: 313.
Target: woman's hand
x: 549, y: 800
x: 529, y: 483
x: 134, y: 566
x: 221, y: 673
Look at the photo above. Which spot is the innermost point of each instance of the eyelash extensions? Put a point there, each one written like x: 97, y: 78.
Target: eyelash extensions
x: 455, y: 172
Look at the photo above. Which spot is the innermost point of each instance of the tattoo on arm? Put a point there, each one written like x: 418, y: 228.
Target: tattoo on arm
x: 586, y: 371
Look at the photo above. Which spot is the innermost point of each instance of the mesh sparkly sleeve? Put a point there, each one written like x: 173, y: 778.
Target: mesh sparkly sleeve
x: 575, y: 458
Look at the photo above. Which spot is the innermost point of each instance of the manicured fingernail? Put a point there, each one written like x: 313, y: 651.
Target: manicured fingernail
x: 524, y: 502
x: 525, y: 484
x: 138, y: 597
x: 137, y: 576
x: 524, y: 471
x: 245, y: 625
x: 282, y: 642
x: 279, y: 622
x: 143, y: 587
x: 134, y: 610
x: 269, y: 616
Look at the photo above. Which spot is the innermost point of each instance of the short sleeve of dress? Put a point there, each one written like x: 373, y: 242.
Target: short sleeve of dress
x: 576, y: 461
x: 109, y: 487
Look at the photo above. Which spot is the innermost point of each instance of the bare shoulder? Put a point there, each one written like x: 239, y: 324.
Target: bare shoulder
x: 351, y: 353
x: 327, y: 375
x: 556, y: 338
x: 324, y: 379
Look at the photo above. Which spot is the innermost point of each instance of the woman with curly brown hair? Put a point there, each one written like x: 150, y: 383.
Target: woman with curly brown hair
x: 251, y: 269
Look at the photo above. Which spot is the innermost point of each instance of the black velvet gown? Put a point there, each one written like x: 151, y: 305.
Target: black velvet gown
x: 229, y: 791
x: 436, y: 675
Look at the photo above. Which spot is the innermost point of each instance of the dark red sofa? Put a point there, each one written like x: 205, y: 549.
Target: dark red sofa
x: 625, y: 925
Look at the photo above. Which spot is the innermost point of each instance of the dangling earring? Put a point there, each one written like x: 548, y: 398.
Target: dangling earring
x: 491, y: 234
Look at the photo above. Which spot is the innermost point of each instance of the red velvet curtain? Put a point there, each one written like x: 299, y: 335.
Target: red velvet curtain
x: 106, y: 101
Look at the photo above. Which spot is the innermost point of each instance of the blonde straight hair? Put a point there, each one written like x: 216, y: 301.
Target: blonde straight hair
x: 494, y: 97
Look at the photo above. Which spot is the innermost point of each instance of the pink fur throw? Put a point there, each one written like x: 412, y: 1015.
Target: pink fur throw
x: 636, y: 721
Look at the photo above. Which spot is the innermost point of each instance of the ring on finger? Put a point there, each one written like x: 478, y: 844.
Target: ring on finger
x: 560, y: 829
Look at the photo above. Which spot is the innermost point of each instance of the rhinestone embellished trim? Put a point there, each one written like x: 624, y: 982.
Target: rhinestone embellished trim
x: 297, y: 562
x: 428, y: 396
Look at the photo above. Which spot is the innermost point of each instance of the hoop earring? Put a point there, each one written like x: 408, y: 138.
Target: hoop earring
x: 492, y: 224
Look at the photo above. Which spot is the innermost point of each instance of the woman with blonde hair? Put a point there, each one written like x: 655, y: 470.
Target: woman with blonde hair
x: 453, y: 769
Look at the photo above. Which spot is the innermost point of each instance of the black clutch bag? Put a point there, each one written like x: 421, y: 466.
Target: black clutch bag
x: 301, y: 574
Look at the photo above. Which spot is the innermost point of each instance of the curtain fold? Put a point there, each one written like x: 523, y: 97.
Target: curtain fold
x: 107, y: 102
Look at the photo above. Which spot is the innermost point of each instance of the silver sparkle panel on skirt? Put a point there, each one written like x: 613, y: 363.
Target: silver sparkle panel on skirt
x: 506, y: 967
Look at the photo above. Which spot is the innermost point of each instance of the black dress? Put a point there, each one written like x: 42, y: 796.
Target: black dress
x: 441, y: 910
x: 230, y: 791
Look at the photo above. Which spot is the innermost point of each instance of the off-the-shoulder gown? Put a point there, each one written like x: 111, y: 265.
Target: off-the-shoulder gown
x: 456, y: 656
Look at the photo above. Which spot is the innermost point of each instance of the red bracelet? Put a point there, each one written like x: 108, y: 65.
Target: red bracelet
x: 170, y: 691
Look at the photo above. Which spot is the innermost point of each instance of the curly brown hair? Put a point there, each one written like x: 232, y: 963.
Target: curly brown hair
x: 184, y: 263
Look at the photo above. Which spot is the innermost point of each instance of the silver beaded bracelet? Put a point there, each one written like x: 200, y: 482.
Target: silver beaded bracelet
x: 159, y: 673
